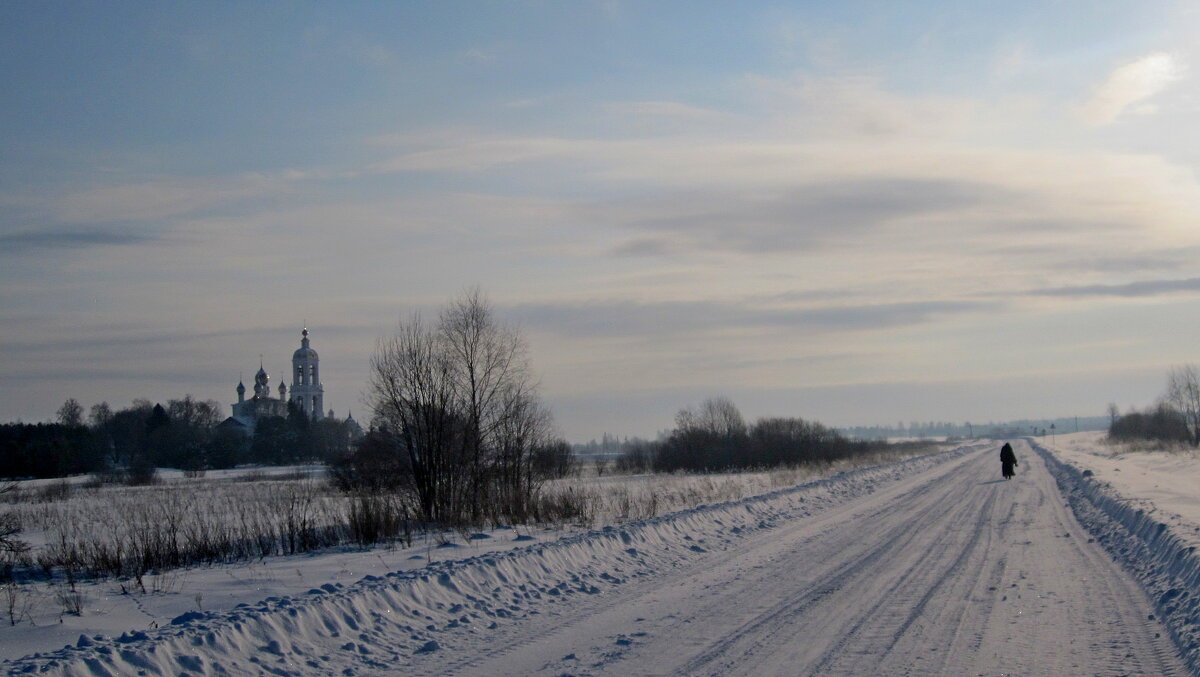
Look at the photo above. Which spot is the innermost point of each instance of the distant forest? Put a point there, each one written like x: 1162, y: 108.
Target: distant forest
x: 612, y: 445
x: 918, y: 429
x: 130, y: 443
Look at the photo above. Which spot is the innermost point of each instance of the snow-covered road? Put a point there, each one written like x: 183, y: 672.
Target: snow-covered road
x: 951, y: 572
x: 928, y: 566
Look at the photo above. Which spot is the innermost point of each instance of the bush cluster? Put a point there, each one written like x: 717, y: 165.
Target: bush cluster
x: 714, y: 437
x: 1161, y: 423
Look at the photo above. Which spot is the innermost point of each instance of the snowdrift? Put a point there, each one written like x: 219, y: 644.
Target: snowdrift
x: 1165, y: 565
x: 385, y: 622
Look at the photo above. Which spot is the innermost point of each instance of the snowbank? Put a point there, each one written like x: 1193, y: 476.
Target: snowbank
x: 1162, y: 482
x: 1165, y: 563
x: 381, y: 622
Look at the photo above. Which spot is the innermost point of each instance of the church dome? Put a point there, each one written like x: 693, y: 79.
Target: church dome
x: 304, y: 352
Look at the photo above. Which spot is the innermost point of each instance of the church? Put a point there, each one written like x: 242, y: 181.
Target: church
x: 306, y: 394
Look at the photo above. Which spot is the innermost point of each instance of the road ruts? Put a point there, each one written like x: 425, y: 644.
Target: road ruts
x: 953, y: 572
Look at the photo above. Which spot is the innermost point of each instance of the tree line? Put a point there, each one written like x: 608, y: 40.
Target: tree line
x: 1175, y: 418
x: 715, y: 437
x: 130, y: 443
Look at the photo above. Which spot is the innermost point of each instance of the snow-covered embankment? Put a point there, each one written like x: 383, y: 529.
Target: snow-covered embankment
x: 382, y: 622
x: 1165, y: 564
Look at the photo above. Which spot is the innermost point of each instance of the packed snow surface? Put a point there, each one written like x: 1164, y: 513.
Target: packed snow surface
x: 928, y: 566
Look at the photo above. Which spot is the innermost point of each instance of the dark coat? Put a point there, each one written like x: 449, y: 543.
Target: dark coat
x: 1007, y: 460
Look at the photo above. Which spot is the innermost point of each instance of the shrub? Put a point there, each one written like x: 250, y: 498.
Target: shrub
x: 1161, y: 423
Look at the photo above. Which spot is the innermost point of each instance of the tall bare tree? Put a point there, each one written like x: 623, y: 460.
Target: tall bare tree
x: 411, y: 394
x: 490, y: 373
x: 1183, y: 393
x: 462, y: 401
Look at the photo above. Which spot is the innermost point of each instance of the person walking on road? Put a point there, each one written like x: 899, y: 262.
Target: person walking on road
x: 1008, y: 461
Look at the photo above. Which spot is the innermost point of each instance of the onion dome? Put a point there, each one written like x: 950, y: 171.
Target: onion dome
x: 304, y: 352
x: 261, y: 389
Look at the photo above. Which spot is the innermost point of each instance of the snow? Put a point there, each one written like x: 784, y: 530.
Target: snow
x: 466, y: 593
x: 931, y: 565
x: 1162, y: 483
x: 111, y: 607
x: 1140, y: 506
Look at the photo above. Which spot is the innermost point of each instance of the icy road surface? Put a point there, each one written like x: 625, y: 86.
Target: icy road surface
x: 950, y: 572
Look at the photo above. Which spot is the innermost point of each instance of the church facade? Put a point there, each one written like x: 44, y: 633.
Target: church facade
x: 306, y: 393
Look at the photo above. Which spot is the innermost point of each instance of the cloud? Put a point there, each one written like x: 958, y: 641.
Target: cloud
x: 672, y: 110
x: 484, y: 153
x: 657, y: 319
x: 857, y: 107
x: 1130, y: 290
x: 1129, y: 85
x: 480, y: 55
x: 151, y: 200
x: 69, y: 239
x: 1148, y: 262
x: 371, y: 54
x: 643, y: 247
x: 796, y: 218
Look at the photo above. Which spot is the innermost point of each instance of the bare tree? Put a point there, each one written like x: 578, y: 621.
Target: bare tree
x: 490, y: 374
x: 100, y: 416
x: 716, y: 416
x: 411, y: 394
x: 463, y: 405
x: 1183, y: 393
x: 71, y: 413
x: 195, y: 413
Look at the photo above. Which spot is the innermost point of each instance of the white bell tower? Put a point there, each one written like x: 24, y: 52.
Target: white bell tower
x: 307, y: 393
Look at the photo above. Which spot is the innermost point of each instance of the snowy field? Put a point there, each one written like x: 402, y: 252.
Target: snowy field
x: 926, y: 566
x: 262, y: 508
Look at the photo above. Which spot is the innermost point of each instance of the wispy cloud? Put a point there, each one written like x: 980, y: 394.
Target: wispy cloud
x: 476, y: 154
x: 643, y: 247
x: 669, y: 318
x: 69, y: 239
x: 797, y: 218
x: 162, y: 198
x: 672, y: 110
x: 1131, y: 84
x: 1129, y: 290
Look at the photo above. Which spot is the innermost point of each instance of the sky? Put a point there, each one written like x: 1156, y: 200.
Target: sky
x: 853, y: 212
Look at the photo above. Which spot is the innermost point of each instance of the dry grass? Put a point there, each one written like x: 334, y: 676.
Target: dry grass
x: 136, y: 532
x: 608, y: 499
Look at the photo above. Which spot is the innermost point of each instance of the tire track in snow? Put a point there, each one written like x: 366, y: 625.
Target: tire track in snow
x: 765, y: 585
x: 952, y: 576
x: 805, y: 509
x: 764, y: 629
x: 882, y: 624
